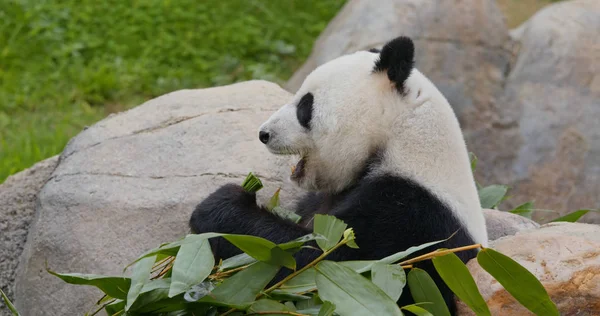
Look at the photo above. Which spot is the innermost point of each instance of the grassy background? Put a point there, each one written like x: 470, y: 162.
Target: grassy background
x: 66, y: 64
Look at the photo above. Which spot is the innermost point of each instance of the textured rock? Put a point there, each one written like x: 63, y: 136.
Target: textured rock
x: 528, y: 106
x: 565, y: 257
x: 500, y: 224
x: 131, y: 181
x: 18, y: 195
x: 555, y: 85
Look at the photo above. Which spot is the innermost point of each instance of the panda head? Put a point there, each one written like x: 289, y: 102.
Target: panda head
x: 342, y: 115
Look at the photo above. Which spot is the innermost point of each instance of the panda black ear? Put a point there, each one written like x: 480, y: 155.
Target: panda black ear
x: 397, y: 59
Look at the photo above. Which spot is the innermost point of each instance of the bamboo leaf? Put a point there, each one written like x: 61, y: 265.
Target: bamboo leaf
x: 473, y: 160
x: 458, y: 278
x: 116, y: 287
x: 327, y: 309
x: 258, y: 248
x: 573, y: 216
x: 492, y: 195
x: 140, y: 276
x: 517, y: 281
x: 274, y: 201
x: 236, y: 261
x: 241, y: 289
x: 266, y: 305
x: 9, y: 304
x: 193, y: 264
x: 423, y: 289
x: 331, y: 228
x: 390, y: 278
x: 352, y: 293
x: 401, y: 255
x: 525, y: 210
x: 417, y: 310
x: 301, y: 283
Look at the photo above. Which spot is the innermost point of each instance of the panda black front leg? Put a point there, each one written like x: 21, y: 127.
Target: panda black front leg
x: 232, y: 210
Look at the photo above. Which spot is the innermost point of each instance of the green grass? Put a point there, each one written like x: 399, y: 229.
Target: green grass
x: 66, y: 64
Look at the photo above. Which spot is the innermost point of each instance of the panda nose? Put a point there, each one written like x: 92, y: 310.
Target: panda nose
x: 263, y: 136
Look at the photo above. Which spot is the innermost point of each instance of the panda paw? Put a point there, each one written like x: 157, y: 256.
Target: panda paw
x: 226, y: 206
x: 235, y: 194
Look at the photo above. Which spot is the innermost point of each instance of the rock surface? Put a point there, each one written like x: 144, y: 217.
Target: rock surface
x: 500, y: 224
x: 528, y: 105
x: 130, y: 182
x: 565, y: 257
x: 555, y: 85
x: 18, y: 196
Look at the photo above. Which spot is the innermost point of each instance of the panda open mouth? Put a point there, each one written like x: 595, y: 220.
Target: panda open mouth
x: 298, y: 169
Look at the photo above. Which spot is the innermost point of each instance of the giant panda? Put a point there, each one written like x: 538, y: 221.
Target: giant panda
x: 380, y: 148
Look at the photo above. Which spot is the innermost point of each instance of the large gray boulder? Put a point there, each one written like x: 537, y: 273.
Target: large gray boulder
x: 500, y: 224
x: 563, y: 256
x: 18, y: 196
x: 554, y: 87
x: 130, y: 182
x: 528, y: 102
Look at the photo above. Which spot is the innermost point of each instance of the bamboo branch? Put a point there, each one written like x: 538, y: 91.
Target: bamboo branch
x: 439, y: 253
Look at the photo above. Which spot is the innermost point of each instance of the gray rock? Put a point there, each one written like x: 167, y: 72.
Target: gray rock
x: 528, y: 105
x: 18, y: 195
x: 555, y: 86
x: 131, y: 181
x: 563, y: 256
x: 500, y: 224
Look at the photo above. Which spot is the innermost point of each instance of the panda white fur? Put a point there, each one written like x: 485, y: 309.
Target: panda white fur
x: 379, y: 148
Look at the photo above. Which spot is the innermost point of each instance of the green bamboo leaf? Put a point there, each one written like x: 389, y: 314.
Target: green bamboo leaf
x: 473, y: 160
x: 401, y: 255
x: 390, y: 278
x: 350, y: 238
x: 417, y: 310
x: 116, y: 287
x: 525, y: 210
x: 274, y: 201
x: 193, y: 264
x: 327, y: 309
x: 351, y: 293
x: 252, y: 183
x: 236, y: 261
x: 299, y: 242
x: 115, y: 308
x: 266, y: 305
x: 281, y: 295
x: 258, y: 248
x: 262, y: 250
x: 9, y: 304
x: 241, y: 289
x: 517, y: 281
x: 423, y: 289
x: 244, y: 259
x: 140, y: 276
x: 301, y: 283
x: 358, y: 265
x: 458, y: 278
x: 573, y: 216
x: 331, y: 228
x: 492, y: 195
x: 155, y: 296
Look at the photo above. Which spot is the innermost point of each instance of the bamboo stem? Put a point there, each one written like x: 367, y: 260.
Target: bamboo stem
x: 439, y: 253
x: 278, y: 313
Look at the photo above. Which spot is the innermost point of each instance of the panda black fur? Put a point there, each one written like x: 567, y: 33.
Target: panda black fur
x: 380, y: 148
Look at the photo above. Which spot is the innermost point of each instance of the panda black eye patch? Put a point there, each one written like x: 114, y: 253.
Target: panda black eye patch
x: 304, y: 110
